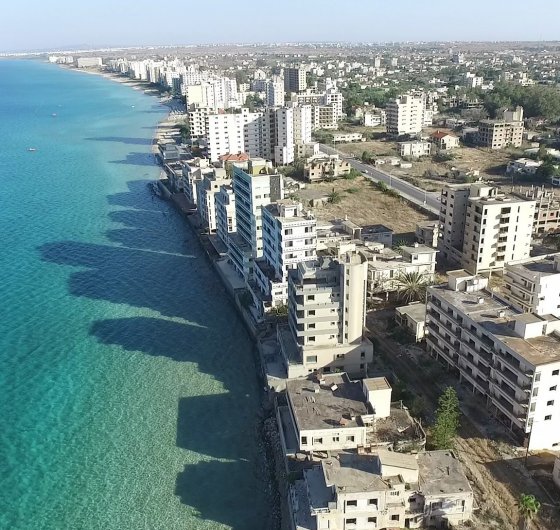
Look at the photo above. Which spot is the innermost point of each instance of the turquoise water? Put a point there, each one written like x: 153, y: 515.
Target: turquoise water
x: 129, y: 398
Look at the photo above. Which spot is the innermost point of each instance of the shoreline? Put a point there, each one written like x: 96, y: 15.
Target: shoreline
x: 269, y: 441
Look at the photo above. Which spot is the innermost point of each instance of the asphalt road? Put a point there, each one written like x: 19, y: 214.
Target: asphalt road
x: 429, y: 200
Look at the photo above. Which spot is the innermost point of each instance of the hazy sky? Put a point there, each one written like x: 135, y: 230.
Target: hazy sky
x: 51, y: 24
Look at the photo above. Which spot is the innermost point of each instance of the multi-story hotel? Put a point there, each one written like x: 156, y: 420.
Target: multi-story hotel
x: 326, y: 315
x: 482, y: 229
x: 509, y: 359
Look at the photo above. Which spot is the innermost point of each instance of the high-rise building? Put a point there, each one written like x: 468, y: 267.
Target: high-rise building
x: 326, y: 316
x: 275, y: 92
x: 482, y: 229
x: 277, y: 135
x: 509, y: 359
x: 405, y: 115
x: 497, y: 134
x: 295, y: 79
x: 206, y: 192
x: 225, y: 213
x: 303, y: 124
x: 289, y: 237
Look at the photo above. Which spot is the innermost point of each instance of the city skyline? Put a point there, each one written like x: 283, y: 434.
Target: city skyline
x: 102, y: 24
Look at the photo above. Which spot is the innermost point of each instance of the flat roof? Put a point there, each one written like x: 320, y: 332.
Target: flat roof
x: 485, y: 309
x: 317, y: 406
x: 353, y: 473
x: 376, y: 383
x: 538, y: 267
x: 441, y: 473
x: 416, y: 312
x: 393, y: 459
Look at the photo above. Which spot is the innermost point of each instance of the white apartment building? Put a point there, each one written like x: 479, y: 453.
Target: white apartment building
x: 198, y: 121
x: 533, y: 285
x: 225, y: 213
x: 415, y: 149
x: 277, y: 135
x: 405, y: 115
x: 326, y: 315
x: 88, y: 62
x: 295, y: 79
x: 482, y: 229
x: 254, y: 188
x: 193, y: 173
x: 509, y: 359
x: 216, y: 93
x: 234, y: 133
x: 289, y: 237
x: 333, y: 97
x: 427, y: 233
x: 382, y: 490
x: 275, y: 92
x: 206, y: 192
x: 303, y: 124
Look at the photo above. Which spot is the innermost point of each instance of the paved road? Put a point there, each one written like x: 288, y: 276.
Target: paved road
x: 428, y: 200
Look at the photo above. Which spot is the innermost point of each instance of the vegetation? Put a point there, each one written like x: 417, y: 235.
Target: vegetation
x: 367, y: 158
x: 253, y: 102
x: 185, y: 132
x: 546, y: 170
x: 323, y: 137
x: 447, y: 420
x: 528, y: 507
x: 353, y: 174
x: 443, y: 157
x: 411, y: 286
x: 280, y: 310
x: 355, y: 96
x: 335, y: 197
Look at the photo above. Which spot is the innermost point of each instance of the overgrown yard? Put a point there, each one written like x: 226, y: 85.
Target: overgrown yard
x: 364, y: 204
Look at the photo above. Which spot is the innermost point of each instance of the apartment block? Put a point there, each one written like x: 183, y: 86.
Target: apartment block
x: 295, y: 79
x: 547, y: 209
x: 303, y: 124
x: 415, y: 149
x: 326, y: 316
x: 289, y: 237
x: 405, y: 115
x: 206, y: 192
x: 533, y: 285
x: 509, y: 359
x: 482, y: 229
x: 497, y: 134
x: 192, y: 174
x: 382, y: 490
x: 319, y: 167
x: 275, y: 92
x: 225, y: 213
x: 277, y: 135
x: 254, y: 188
x: 215, y: 93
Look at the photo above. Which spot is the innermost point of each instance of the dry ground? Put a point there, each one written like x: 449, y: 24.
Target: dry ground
x: 366, y: 205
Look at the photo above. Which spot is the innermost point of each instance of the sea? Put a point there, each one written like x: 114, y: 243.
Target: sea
x: 128, y: 390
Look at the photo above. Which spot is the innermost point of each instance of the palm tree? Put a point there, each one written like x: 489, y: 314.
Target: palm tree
x: 334, y: 197
x: 528, y: 507
x: 411, y: 286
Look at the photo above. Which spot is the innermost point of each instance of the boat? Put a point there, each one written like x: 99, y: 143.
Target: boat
x: 54, y: 114
x: 31, y: 149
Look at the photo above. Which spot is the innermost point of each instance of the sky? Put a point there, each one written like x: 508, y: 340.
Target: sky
x: 61, y: 24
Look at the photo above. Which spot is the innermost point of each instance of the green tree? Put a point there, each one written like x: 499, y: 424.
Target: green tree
x: 334, y: 197
x: 411, y: 286
x: 185, y: 132
x: 528, y: 507
x: 447, y: 419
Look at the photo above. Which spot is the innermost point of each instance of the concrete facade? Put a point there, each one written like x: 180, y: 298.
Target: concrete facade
x: 405, y: 115
x: 225, y: 213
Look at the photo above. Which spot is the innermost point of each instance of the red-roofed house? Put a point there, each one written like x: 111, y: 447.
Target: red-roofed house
x: 444, y: 140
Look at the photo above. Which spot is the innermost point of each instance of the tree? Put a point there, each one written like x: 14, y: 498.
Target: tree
x: 528, y: 507
x: 334, y: 197
x: 447, y: 419
x: 546, y: 170
x: 185, y: 132
x: 411, y: 286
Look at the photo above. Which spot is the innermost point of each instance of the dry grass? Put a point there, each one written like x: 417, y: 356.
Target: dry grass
x: 365, y: 205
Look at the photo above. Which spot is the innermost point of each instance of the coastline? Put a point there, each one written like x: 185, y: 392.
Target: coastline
x: 271, y: 455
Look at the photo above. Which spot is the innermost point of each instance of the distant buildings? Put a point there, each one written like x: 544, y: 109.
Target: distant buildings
x: 508, y: 359
x: 88, y: 62
x: 482, y: 229
x: 295, y: 79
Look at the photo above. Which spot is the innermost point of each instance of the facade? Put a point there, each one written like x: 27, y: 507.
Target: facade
x: 215, y: 93
x: 444, y: 141
x: 482, y: 229
x: 412, y: 317
x: 547, y: 209
x: 523, y: 166
x: 405, y: 115
x: 385, y: 266
x: 382, y: 490
x: 348, y: 137
x: 556, y: 472
x: 321, y: 166
x: 509, y: 359
x: 206, y: 192
x: 192, y: 175
x: 497, y: 134
x: 303, y: 124
x: 415, y: 149
x: 275, y: 92
x: 277, y: 135
x: 295, y: 79
x: 254, y: 189
x: 326, y: 316
x: 533, y: 285
x: 289, y: 237
x: 324, y: 117
x: 225, y: 213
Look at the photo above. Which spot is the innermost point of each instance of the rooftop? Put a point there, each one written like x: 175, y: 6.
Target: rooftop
x: 318, y: 406
x: 394, y: 459
x: 441, y: 472
x: 416, y: 312
x: 376, y: 383
x: 537, y: 267
x: 496, y: 317
x: 353, y: 473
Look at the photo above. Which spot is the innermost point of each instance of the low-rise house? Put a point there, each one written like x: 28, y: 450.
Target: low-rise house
x: 444, y: 141
x: 382, y: 490
x: 533, y: 285
x: 347, y: 137
x: 377, y: 234
x: 415, y: 149
x: 427, y: 233
x: 168, y: 152
x: 329, y: 412
x: 322, y: 166
x: 524, y: 166
x: 412, y: 317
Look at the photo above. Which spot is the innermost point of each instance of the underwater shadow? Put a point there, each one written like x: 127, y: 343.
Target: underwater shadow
x: 121, y: 139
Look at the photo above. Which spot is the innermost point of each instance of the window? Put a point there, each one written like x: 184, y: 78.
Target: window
x: 547, y: 418
x: 552, y: 388
x: 311, y: 297
x: 394, y: 493
x: 351, y: 503
x: 550, y: 403
x: 555, y: 372
x: 304, y: 440
x: 395, y: 517
x: 336, y: 438
x: 351, y: 521
x: 538, y: 377
x: 317, y: 440
x: 311, y: 312
x: 372, y: 502
x: 372, y: 520
x: 311, y: 359
x: 350, y: 438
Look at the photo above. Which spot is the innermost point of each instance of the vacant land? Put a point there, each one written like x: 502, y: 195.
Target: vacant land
x: 365, y: 205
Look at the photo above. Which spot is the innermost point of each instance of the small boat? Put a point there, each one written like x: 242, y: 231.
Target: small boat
x: 31, y: 149
x: 54, y: 114
x: 132, y: 106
